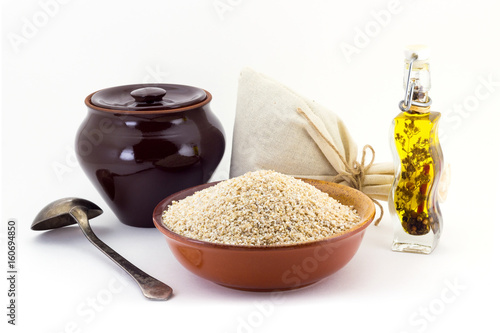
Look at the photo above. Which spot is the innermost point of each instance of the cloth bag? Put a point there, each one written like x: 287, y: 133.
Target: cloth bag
x: 277, y: 129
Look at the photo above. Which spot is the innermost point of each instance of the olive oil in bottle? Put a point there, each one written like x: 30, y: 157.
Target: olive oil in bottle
x: 418, y: 157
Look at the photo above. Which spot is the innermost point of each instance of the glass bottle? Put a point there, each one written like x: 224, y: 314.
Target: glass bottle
x: 418, y: 159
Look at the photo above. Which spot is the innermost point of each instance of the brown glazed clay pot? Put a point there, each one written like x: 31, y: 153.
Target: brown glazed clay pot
x: 140, y: 143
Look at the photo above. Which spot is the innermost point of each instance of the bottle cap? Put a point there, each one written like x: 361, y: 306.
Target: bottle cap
x: 422, y: 52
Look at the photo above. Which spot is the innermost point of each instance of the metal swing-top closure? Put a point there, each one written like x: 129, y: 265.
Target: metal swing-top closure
x: 407, y: 101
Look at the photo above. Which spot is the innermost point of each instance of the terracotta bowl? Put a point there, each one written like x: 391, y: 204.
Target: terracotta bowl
x: 268, y: 268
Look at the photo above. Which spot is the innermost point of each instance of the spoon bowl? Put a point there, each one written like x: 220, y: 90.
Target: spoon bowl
x: 57, y: 214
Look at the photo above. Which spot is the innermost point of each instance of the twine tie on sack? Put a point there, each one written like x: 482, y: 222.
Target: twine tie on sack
x: 354, y: 175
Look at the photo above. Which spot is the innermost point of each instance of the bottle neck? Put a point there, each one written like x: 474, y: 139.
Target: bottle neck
x: 417, y: 109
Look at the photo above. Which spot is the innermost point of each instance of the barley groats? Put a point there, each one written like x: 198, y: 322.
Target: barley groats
x: 259, y: 208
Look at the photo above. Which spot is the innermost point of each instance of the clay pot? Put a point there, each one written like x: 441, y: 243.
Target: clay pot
x: 140, y: 143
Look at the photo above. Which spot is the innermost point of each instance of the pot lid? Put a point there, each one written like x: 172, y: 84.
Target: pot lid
x: 148, y: 97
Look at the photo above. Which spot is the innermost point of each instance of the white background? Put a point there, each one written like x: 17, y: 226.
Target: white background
x: 76, y: 47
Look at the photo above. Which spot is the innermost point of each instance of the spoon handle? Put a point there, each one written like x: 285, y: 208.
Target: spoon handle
x: 151, y: 287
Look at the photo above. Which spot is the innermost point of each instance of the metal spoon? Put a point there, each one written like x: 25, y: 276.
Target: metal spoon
x: 69, y: 211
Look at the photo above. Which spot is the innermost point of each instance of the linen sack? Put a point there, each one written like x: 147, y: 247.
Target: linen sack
x: 277, y: 129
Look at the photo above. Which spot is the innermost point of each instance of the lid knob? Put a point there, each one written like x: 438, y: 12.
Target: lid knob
x: 148, y: 94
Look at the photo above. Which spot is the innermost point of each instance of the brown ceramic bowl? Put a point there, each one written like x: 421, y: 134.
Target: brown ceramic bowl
x: 267, y: 268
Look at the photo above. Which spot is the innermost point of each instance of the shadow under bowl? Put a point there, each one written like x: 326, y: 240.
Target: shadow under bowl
x: 270, y: 268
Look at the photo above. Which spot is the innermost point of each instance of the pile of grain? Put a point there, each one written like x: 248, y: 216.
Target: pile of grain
x: 259, y: 208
